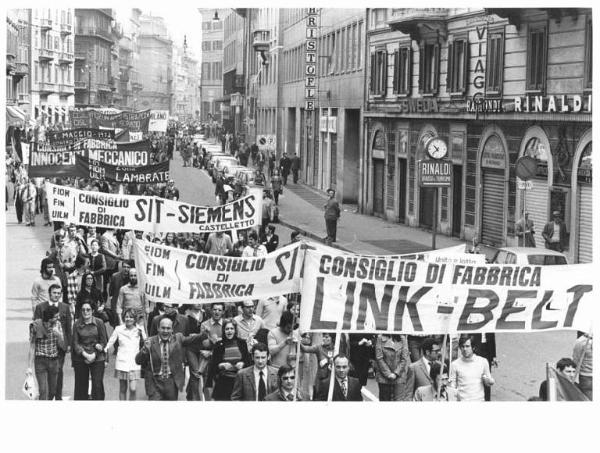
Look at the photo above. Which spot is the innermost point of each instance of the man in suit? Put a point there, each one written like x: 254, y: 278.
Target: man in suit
x: 162, y: 359
x: 418, y: 372
x: 255, y: 382
x: 555, y: 233
x: 345, y: 388
x: 64, y: 317
x: 286, y: 376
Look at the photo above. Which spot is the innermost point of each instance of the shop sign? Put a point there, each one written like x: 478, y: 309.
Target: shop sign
x: 435, y: 173
x: 554, y: 104
x: 425, y: 105
x: 236, y: 99
x: 493, y: 155
x: 524, y: 185
x: 310, y: 90
x: 484, y: 105
x: 328, y: 124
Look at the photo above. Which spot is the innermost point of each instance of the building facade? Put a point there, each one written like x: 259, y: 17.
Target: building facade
x: 50, y: 48
x: 156, y: 57
x: 212, y: 64
x: 186, y: 84
x: 94, y: 70
x: 328, y: 138
x: 495, y: 85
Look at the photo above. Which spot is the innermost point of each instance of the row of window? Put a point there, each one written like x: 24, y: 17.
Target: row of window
x: 212, y: 45
x: 50, y: 42
x: 292, y: 16
x: 44, y: 72
x: 458, y: 65
x: 208, y: 25
x: 230, y: 54
x: 65, y: 16
x: 212, y: 70
x: 338, y: 52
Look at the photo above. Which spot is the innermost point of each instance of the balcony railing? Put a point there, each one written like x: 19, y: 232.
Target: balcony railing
x: 24, y: 98
x: 45, y: 24
x: 66, y: 89
x: 103, y: 87
x: 261, y: 40
x: 22, y: 68
x: 65, y: 57
x: 66, y: 29
x: 95, y: 31
x: 81, y: 84
x: 46, y: 87
x: 46, y: 54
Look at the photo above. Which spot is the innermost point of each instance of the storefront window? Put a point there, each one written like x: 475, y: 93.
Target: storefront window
x: 536, y: 149
x: 584, y: 170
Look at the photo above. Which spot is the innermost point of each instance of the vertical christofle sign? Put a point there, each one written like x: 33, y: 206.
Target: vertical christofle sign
x: 310, y: 74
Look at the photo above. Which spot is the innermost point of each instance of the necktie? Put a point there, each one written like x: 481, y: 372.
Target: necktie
x: 290, y: 397
x: 164, y: 366
x: 344, y: 387
x: 262, y: 388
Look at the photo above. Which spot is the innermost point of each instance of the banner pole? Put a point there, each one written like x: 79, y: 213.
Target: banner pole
x: 580, y: 361
x: 336, y: 349
x: 443, y: 360
x: 550, y: 385
x: 297, y: 366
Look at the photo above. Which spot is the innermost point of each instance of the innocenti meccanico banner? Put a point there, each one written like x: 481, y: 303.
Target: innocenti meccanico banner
x: 122, y: 174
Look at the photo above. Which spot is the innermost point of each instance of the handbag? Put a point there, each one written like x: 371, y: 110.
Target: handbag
x: 30, y: 386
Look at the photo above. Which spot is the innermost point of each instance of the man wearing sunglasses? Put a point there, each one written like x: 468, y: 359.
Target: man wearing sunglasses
x: 286, y: 377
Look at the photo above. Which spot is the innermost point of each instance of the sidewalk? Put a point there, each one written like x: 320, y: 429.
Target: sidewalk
x: 301, y: 209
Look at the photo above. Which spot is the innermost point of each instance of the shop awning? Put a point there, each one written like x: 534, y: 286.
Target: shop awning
x: 15, y: 116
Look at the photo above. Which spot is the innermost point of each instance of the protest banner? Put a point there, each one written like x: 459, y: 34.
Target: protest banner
x: 72, y: 136
x: 371, y: 294
x: 152, y: 214
x: 179, y: 276
x: 92, y: 118
x: 158, y: 121
x: 59, y: 161
x: 122, y: 174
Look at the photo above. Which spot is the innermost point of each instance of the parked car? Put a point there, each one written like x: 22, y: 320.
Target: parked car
x: 212, y: 160
x: 528, y: 256
x: 246, y: 176
x: 220, y: 163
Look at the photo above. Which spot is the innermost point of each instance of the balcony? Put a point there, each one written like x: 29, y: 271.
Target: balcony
x: 103, y: 87
x: 137, y: 86
x: 66, y: 89
x: 66, y: 29
x: 81, y: 56
x: 261, y: 40
x: 45, y: 24
x: 24, y: 98
x: 21, y: 70
x: 46, y: 87
x: 81, y: 85
x: 46, y: 54
x: 65, y: 58
x: 11, y: 64
x: 418, y: 22
x: 96, y: 32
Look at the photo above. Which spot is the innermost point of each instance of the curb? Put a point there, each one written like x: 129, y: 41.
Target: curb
x: 311, y: 235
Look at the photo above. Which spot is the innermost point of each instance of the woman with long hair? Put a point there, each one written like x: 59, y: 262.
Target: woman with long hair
x: 230, y: 355
x: 170, y: 240
x: 89, y: 292
x: 97, y: 263
x: 87, y: 353
x: 130, y: 337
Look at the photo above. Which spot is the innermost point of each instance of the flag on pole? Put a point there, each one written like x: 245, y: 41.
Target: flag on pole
x: 560, y: 388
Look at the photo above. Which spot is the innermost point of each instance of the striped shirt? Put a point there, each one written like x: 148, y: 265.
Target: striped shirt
x: 73, y: 286
x: 47, y: 346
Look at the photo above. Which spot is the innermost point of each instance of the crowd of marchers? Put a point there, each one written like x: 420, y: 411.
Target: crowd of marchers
x: 87, y: 306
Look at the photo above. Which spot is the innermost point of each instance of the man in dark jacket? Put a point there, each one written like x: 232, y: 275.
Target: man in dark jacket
x: 345, y: 388
x: 286, y: 376
x: 295, y: 167
x: 332, y: 214
x: 285, y: 164
x: 162, y: 358
x: 555, y: 233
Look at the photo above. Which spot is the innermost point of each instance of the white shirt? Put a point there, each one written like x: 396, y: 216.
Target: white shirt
x: 556, y: 233
x: 427, y: 364
x: 257, y: 377
x: 250, y: 252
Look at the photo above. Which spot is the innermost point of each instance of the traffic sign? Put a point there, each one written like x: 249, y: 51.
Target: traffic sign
x: 435, y: 173
x: 526, y: 168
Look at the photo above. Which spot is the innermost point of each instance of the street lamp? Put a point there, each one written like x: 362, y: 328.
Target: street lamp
x: 216, y: 17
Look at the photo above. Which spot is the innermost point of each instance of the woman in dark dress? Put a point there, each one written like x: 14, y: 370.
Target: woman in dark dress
x: 230, y: 355
x: 90, y: 293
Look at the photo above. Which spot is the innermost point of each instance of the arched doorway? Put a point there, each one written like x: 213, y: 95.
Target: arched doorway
x: 493, y: 191
x: 536, y: 199
x: 584, y: 206
x: 378, y: 153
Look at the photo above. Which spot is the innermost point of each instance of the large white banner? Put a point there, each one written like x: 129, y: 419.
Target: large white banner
x: 152, y: 214
x: 379, y: 294
x: 159, y: 119
x: 179, y: 276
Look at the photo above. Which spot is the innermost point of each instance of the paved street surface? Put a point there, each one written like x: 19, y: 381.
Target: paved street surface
x: 522, y: 357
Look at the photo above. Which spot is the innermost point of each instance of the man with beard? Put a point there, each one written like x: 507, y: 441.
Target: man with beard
x: 131, y: 296
x: 162, y: 358
x: 65, y: 320
x: 117, y: 281
x: 42, y: 284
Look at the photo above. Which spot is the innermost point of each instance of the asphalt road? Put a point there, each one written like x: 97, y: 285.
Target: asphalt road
x: 521, y: 357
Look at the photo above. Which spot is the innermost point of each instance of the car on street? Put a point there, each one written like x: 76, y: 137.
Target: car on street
x: 246, y: 176
x: 528, y: 256
x: 212, y: 157
x: 220, y: 163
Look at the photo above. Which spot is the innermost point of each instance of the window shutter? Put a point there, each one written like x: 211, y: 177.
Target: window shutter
x: 373, y: 72
x: 384, y: 70
x: 465, y: 63
x: 422, y: 68
x: 396, y: 71
x: 409, y: 69
x: 450, y: 69
x: 436, y: 69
